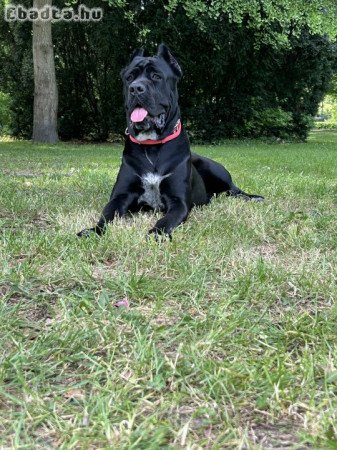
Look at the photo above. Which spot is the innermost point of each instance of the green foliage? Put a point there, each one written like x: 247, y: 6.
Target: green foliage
x: 270, y: 121
x: 236, y: 74
x: 331, y: 125
x: 328, y: 110
x: 5, y: 113
x: 302, y: 124
x: 247, y: 81
x: 272, y: 19
x: 333, y: 87
x: 16, y: 73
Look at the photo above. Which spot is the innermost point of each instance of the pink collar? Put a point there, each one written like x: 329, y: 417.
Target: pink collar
x: 176, y: 133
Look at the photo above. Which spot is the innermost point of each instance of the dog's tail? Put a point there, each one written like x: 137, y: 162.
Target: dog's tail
x: 234, y: 191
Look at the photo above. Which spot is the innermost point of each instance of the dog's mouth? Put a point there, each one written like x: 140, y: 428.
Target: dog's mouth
x: 141, y: 119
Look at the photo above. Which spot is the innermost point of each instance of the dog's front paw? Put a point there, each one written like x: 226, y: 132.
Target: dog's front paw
x: 257, y: 199
x: 87, y: 232
x: 159, y: 234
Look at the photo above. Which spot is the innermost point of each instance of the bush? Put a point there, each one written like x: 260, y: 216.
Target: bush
x: 325, y: 125
x: 5, y: 114
x: 270, y: 122
x: 302, y: 124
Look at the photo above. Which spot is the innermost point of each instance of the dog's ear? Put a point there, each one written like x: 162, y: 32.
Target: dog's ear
x: 164, y: 52
x: 137, y: 52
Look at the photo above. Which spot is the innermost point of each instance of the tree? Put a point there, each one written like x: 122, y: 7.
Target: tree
x: 45, y: 88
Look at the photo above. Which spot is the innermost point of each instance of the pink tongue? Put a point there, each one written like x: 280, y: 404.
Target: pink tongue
x: 138, y: 114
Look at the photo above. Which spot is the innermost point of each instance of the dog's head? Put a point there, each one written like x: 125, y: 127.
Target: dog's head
x: 150, y: 92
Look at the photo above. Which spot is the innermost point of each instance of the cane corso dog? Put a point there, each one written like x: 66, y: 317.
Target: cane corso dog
x: 158, y: 170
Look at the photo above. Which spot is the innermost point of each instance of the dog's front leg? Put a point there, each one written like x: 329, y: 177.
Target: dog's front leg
x: 117, y: 206
x: 177, y: 212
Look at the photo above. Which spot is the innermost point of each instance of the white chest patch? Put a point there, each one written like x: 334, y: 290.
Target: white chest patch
x: 151, y: 185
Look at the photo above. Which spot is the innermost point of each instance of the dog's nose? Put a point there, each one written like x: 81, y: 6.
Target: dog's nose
x: 137, y: 88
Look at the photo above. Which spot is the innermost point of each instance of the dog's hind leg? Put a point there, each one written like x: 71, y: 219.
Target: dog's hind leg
x: 217, y: 179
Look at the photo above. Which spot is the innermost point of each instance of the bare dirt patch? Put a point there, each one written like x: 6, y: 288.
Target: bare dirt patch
x: 38, y: 220
x: 22, y: 173
x: 276, y: 437
x: 109, y: 268
x: 31, y: 306
x: 32, y: 312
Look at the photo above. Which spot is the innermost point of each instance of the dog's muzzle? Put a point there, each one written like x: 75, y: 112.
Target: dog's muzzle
x: 141, y: 119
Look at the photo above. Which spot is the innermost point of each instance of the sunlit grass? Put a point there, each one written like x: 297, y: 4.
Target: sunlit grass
x: 230, y: 338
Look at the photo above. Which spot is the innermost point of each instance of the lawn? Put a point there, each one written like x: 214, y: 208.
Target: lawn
x: 230, y: 336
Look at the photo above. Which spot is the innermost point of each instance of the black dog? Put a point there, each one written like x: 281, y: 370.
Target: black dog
x: 158, y: 170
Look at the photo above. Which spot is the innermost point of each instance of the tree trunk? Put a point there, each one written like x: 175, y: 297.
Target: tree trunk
x: 45, y: 88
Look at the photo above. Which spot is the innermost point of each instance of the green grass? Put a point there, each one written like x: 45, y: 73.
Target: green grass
x: 230, y: 340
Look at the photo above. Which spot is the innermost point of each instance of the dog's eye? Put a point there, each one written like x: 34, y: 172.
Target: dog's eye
x: 129, y: 78
x: 156, y: 77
